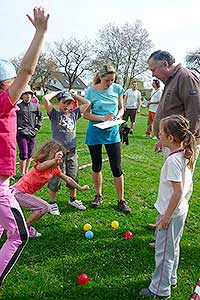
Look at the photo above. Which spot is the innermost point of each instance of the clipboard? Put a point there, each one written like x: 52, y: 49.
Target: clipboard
x: 108, y: 124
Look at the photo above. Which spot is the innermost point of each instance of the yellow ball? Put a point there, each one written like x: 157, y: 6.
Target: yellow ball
x: 115, y: 224
x: 87, y: 227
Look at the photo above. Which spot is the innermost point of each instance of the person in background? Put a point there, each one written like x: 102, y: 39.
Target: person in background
x: 29, y: 121
x: 174, y: 192
x: 153, y: 106
x: 11, y: 87
x: 106, y: 99
x: 181, y: 95
x: 35, y: 99
x: 132, y: 102
x: 47, y: 161
x: 63, y: 124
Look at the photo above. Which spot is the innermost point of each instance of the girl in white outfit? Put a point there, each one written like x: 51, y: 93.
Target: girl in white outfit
x: 175, y: 189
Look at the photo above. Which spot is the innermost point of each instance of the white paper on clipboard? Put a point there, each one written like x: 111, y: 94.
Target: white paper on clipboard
x: 107, y: 124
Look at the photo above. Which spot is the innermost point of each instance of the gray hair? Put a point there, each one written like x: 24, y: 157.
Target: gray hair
x: 160, y: 56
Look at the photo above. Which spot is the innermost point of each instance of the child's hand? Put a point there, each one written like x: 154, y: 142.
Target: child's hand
x: 85, y: 187
x: 58, y: 157
x: 40, y: 19
x: 73, y: 93
x: 158, y: 147
x: 163, y: 223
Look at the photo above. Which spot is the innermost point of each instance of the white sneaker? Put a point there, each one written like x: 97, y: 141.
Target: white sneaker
x: 154, y: 138
x: 78, y: 204
x: 54, y: 210
x: 33, y: 232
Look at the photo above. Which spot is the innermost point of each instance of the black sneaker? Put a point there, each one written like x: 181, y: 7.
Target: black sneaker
x: 123, y: 206
x: 147, y: 293
x: 98, y: 200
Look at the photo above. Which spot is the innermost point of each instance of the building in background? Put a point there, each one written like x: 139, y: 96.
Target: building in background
x: 61, y: 82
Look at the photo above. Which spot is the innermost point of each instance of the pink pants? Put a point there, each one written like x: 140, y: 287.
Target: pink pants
x: 31, y: 202
x: 12, y: 220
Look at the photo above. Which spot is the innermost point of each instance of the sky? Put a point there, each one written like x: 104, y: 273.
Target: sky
x: 173, y: 25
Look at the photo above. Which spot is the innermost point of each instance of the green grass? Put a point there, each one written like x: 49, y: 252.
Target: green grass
x: 49, y: 266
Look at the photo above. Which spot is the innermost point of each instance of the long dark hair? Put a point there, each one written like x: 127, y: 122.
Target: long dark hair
x: 178, y: 127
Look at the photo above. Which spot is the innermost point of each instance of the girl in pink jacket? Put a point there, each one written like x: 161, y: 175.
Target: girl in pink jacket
x: 11, y: 87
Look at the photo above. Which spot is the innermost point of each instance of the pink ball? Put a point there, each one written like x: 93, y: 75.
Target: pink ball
x: 128, y: 235
x: 83, y: 278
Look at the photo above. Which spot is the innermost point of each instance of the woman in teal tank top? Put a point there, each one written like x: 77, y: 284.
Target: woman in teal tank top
x: 106, y: 99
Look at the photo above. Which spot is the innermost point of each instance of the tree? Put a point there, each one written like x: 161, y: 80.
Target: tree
x: 74, y: 57
x: 46, y: 68
x: 126, y: 47
x: 193, y: 61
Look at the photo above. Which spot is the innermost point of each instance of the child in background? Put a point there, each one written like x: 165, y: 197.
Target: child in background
x: 174, y: 192
x: 35, y: 99
x: 47, y: 161
x: 11, y: 87
x: 63, y: 123
x: 29, y: 121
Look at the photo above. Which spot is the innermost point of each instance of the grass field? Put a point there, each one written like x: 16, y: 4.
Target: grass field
x: 49, y: 266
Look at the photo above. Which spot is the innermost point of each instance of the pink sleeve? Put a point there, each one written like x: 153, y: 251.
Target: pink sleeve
x: 5, y: 104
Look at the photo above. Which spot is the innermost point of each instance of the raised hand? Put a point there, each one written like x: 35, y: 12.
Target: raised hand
x: 58, y: 157
x: 40, y: 19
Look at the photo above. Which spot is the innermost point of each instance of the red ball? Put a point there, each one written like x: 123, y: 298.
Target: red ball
x: 128, y: 235
x: 83, y: 279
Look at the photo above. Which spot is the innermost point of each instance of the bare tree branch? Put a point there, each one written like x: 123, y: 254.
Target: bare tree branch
x: 193, y: 61
x: 73, y: 56
x: 46, y: 68
x: 126, y: 47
